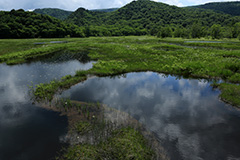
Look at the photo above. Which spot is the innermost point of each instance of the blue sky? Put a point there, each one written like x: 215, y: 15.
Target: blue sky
x: 89, y: 4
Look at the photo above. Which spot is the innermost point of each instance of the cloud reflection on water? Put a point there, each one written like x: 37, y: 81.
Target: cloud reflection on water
x: 184, y: 114
x: 27, y: 131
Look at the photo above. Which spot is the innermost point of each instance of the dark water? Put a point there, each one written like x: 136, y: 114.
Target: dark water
x: 186, y: 115
x: 28, y: 132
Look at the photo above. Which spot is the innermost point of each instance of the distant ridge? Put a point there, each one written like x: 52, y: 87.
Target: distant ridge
x: 232, y: 8
x: 54, y: 12
x: 139, y: 17
x: 105, y: 10
x: 149, y: 14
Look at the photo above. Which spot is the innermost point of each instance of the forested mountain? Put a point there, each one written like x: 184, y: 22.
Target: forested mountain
x: 140, y: 17
x: 145, y: 16
x: 54, y: 12
x: 232, y: 8
x: 21, y: 24
x: 105, y: 10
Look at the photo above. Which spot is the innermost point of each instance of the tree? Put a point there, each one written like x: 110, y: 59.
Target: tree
x: 165, y: 32
x: 4, y: 31
x: 196, y: 30
x: 236, y: 30
x: 216, y: 31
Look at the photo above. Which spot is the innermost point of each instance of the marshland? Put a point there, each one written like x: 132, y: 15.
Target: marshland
x: 120, y: 98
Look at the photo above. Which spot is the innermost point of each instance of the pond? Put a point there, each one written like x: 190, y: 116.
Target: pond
x: 27, y: 131
x: 185, y: 115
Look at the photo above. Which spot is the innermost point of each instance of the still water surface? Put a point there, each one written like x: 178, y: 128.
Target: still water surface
x: 29, y: 132
x: 186, y: 115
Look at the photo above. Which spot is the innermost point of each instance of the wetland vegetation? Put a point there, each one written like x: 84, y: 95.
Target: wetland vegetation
x: 118, y: 55
x: 214, y: 61
x: 144, y: 109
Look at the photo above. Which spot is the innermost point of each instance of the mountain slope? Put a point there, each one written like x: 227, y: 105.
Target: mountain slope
x: 21, y: 24
x: 232, y: 8
x: 105, y: 10
x: 148, y: 14
x: 83, y: 17
x: 54, y: 12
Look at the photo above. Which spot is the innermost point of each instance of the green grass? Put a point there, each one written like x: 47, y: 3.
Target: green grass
x: 124, y: 144
x: 100, y: 137
x: 230, y: 93
x: 117, y: 55
x: 45, y: 91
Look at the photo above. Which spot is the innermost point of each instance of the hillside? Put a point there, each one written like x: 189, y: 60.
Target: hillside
x: 141, y: 17
x: 232, y: 8
x: 145, y: 16
x: 145, y: 13
x: 105, y: 10
x: 21, y: 24
x: 54, y: 12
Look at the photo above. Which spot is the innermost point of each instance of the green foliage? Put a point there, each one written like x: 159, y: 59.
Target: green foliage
x: 165, y: 32
x: 23, y: 56
x: 136, y: 18
x: 232, y: 8
x: 124, y: 144
x: 105, y: 10
x: 146, y: 17
x: 119, y: 55
x: 196, y: 30
x: 230, y: 93
x: 21, y: 24
x: 216, y: 31
x: 47, y: 90
x: 54, y: 12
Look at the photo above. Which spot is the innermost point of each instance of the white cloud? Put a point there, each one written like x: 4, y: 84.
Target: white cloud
x: 90, y: 4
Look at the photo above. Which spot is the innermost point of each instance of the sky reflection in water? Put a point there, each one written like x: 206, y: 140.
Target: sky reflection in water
x: 186, y: 115
x: 28, y: 132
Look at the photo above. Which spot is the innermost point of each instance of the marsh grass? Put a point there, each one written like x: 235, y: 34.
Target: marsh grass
x: 119, y: 55
x: 94, y: 136
x: 45, y: 91
x: 230, y: 93
x: 124, y: 144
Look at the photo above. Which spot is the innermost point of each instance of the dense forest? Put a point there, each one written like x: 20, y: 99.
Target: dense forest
x: 21, y: 24
x: 232, y: 8
x: 147, y: 17
x: 54, y: 12
x: 105, y: 10
x: 141, y: 17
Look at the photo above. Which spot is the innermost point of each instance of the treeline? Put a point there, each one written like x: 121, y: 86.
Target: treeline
x: 216, y: 31
x: 21, y: 24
